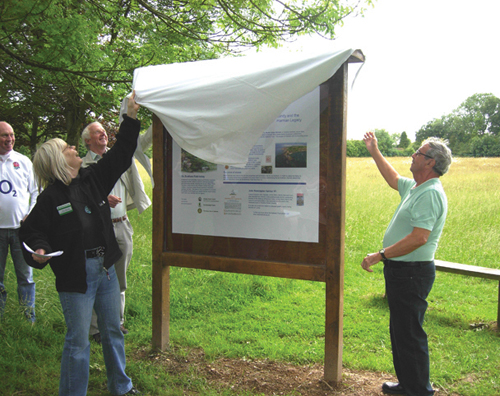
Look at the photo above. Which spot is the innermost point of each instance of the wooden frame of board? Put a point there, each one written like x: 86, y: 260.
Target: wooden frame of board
x: 322, y: 261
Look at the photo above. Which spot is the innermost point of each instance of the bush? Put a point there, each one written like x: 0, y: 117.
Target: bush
x: 356, y: 148
x: 485, y: 146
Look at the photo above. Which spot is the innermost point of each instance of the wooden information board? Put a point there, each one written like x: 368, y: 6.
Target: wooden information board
x: 322, y: 261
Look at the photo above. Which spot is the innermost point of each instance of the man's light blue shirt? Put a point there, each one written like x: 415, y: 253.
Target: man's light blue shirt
x: 425, y: 207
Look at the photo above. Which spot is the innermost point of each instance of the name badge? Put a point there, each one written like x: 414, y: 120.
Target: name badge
x: 64, y: 209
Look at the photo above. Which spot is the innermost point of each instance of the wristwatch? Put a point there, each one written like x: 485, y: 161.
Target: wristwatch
x: 382, y: 253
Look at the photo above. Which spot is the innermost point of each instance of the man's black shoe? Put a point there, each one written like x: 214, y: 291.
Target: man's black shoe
x: 393, y: 388
x: 97, y: 337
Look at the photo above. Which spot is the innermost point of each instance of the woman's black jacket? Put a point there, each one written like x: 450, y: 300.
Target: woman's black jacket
x: 50, y: 227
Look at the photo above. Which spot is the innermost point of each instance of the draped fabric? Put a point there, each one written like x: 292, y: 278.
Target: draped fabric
x: 218, y: 109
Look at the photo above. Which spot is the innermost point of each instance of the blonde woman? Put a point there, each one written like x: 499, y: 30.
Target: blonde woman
x: 72, y: 215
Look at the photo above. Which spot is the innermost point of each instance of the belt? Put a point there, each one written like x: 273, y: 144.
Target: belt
x: 96, y: 252
x: 119, y: 219
x: 401, y: 264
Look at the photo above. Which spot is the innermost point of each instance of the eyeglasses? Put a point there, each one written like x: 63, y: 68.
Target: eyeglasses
x: 417, y: 153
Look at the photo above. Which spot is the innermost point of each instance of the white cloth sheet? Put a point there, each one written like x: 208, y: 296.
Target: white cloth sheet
x: 218, y: 109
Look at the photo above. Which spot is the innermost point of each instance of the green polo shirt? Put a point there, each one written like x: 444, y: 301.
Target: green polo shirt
x: 424, y: 207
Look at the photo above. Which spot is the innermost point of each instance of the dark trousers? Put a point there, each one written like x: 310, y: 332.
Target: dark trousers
x: 407, y: 288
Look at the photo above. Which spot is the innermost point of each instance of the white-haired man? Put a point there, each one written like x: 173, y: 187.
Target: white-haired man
x: 127, y: 194
x: 409, y: 245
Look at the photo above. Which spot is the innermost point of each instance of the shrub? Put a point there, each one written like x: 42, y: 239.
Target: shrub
x: 485, y: 146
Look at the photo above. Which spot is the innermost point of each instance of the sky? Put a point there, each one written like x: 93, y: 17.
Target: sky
x: 423, y: 59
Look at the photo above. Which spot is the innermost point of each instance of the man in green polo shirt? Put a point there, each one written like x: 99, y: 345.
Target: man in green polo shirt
x: 409, y: 245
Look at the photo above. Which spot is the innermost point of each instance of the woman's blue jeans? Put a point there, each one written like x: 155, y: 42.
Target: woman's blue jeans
x: 407, y: 289
x: 103, y: 294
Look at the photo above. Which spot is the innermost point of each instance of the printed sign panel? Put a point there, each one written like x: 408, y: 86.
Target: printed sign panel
x: 275, y: 196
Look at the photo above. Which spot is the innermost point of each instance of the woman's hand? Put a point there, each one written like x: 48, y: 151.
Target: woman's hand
x: 132, y: 106
x: 39, y: 259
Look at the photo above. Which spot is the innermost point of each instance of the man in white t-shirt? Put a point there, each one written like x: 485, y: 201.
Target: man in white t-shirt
x: 18, y: 192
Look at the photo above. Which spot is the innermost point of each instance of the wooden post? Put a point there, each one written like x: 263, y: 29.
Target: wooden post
x: 336, y: 164
x: 161, y: 273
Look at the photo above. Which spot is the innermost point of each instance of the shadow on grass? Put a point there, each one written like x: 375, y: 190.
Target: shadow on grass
x: 443, y: 319
x: 378, y: 301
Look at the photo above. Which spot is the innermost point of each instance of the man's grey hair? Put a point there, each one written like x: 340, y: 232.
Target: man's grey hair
x: 440, y: 152
x: 86, y: 133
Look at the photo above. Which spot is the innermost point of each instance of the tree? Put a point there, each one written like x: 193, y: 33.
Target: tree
x: 477, y: 116
x: 64, y: 63
x: 356, y: 148
x: 485, y: 146
x: 404, y: 142
x: 385, y: 142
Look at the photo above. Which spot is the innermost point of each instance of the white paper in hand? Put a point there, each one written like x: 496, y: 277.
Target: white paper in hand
x: 54, y: 254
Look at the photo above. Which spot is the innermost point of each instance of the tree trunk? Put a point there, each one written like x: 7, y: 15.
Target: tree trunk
x: 75, y: 118
x: 34, y: 134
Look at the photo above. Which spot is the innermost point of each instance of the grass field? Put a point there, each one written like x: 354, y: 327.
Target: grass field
x: 250, y: 317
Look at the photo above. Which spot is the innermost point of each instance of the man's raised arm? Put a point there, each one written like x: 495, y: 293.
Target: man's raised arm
x: 390, y: 174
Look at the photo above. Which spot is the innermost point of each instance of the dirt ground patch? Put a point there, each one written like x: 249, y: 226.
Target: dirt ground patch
x: 265, y: 377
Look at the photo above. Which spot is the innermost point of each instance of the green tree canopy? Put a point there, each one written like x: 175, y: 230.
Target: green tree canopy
x: 356, y: 148
x: 404, y: 141
x: 64, y: 63
x: 477, y: 117
x: 385, y: 141
x: 485, y: 146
